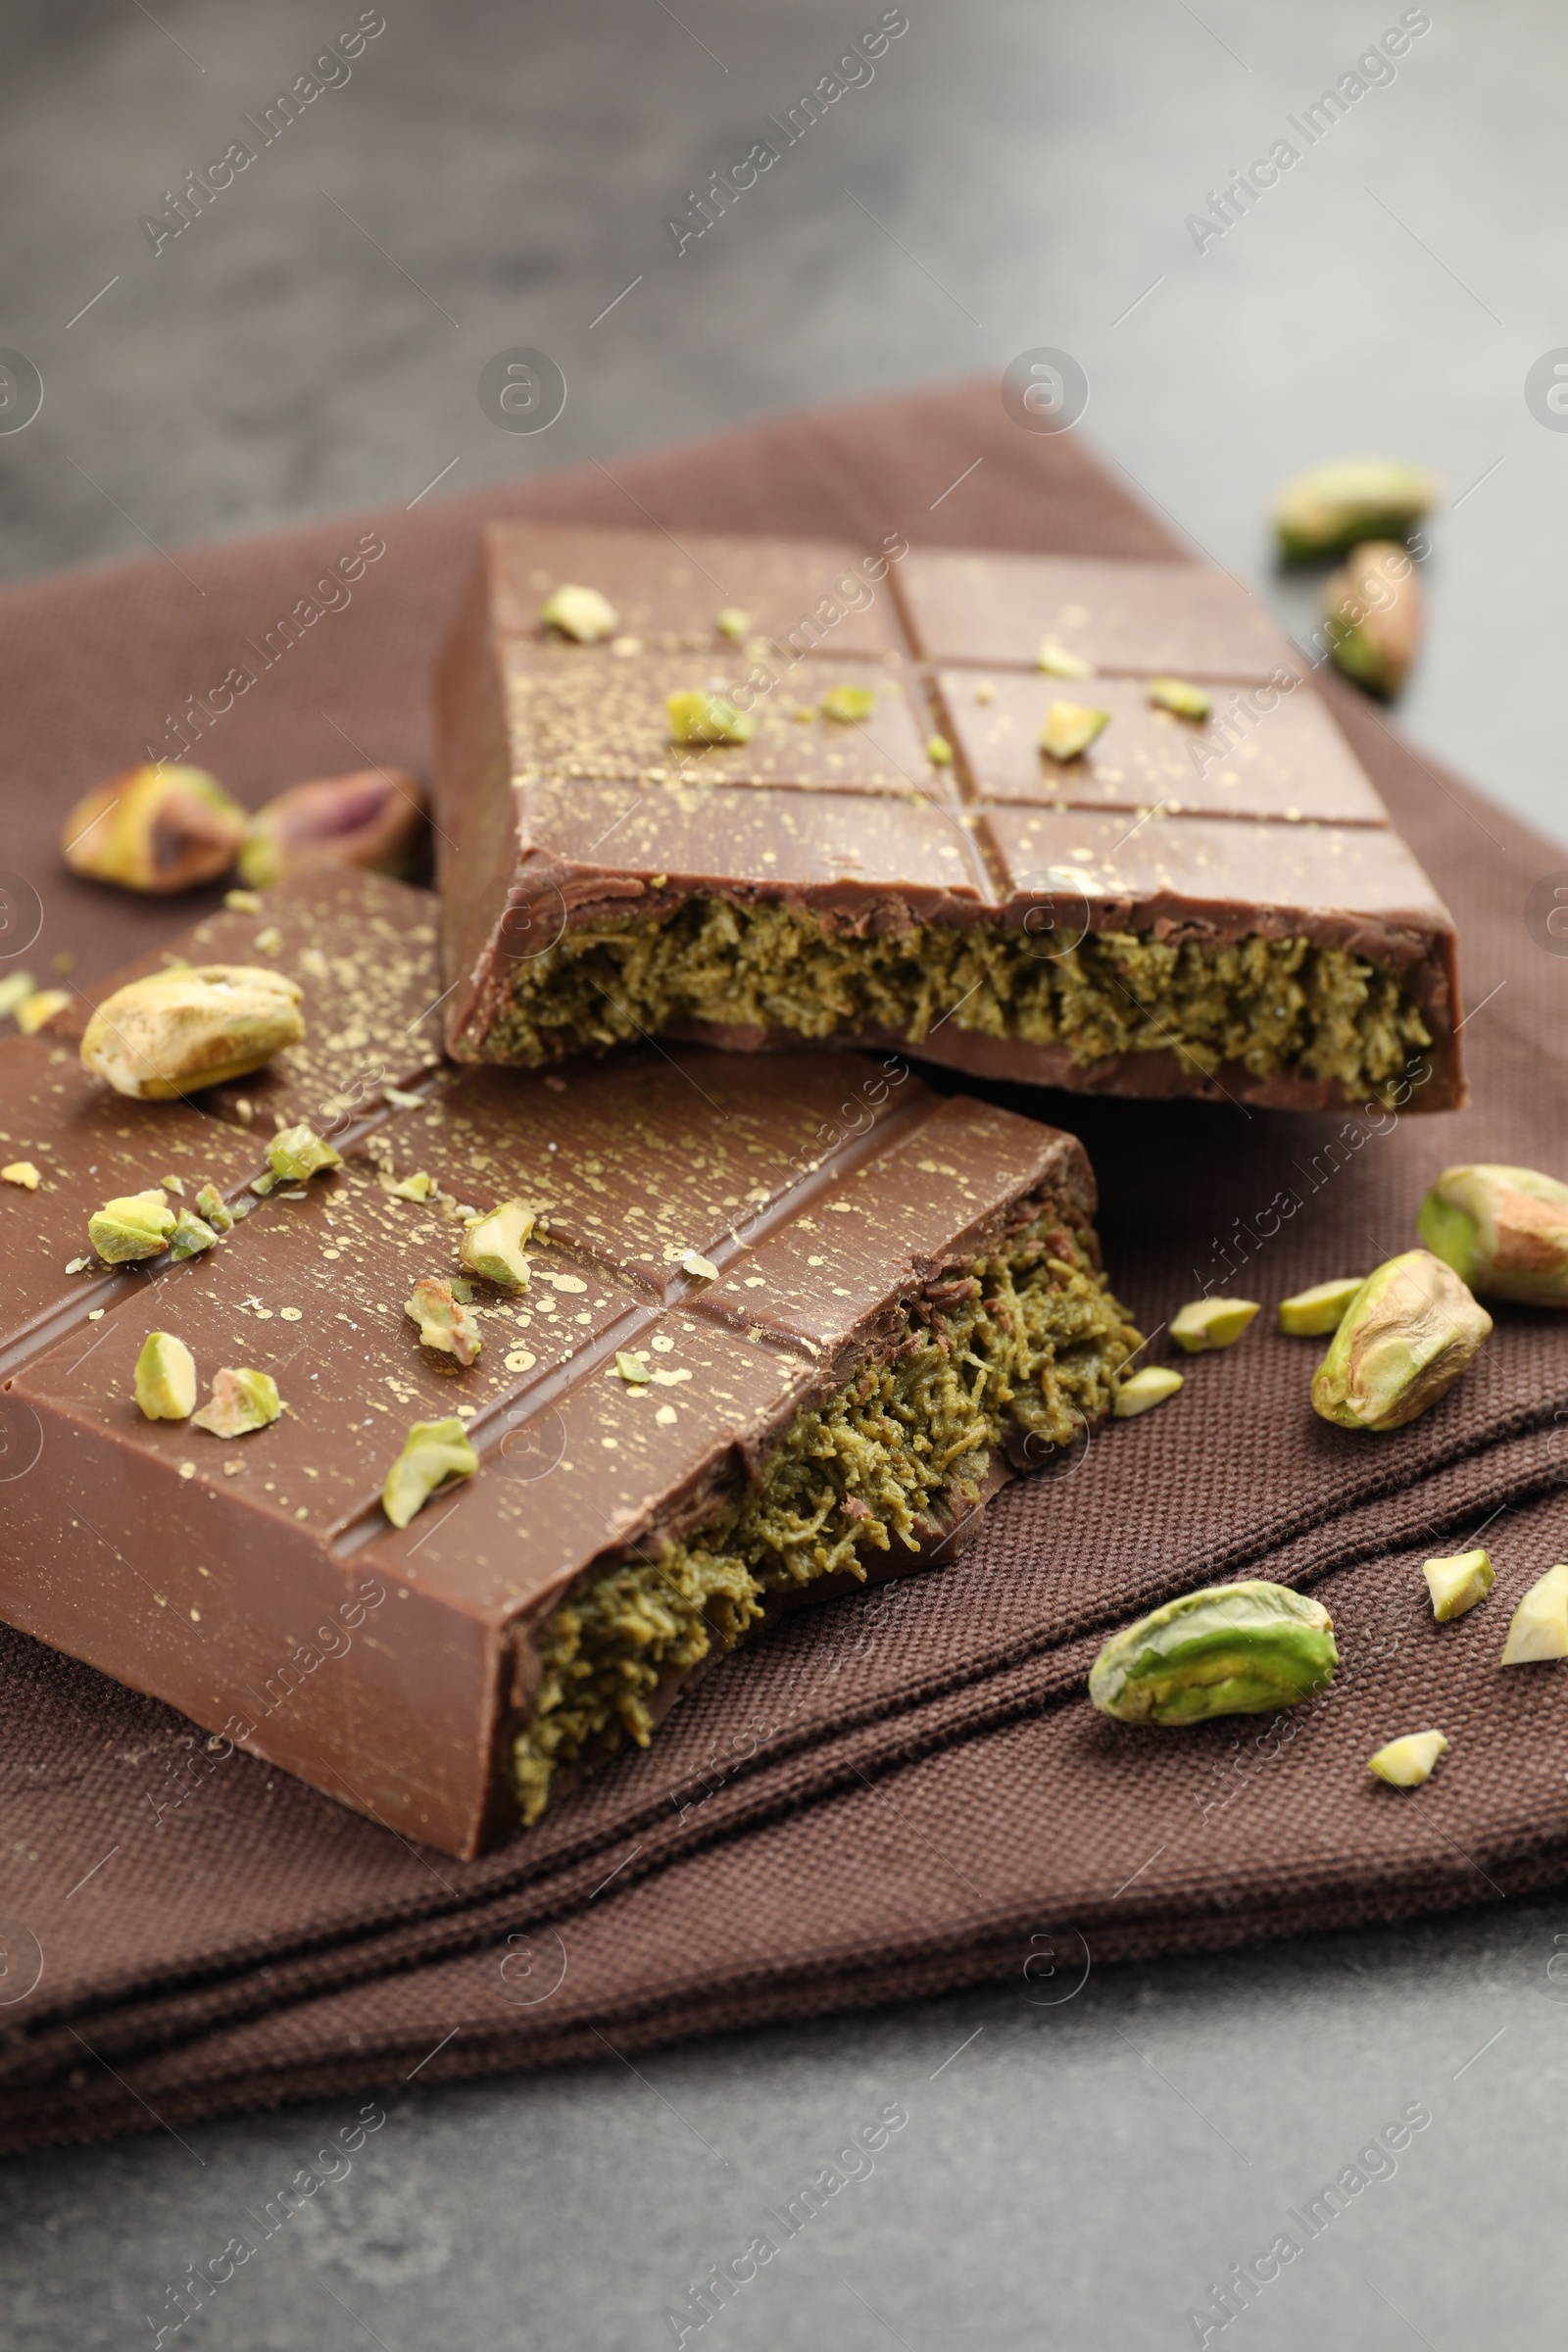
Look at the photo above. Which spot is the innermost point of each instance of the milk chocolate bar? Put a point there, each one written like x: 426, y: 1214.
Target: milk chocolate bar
x: 858, y: 839
x: 784, y: 1327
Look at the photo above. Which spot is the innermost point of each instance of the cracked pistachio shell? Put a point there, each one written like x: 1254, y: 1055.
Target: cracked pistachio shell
x: 191, y: 1026
x: 155, y: 829
x: 166, y: 1377
x: 1071, y: 728
x: 492, y: 1245
x: 1504, y: 1231
x: 1209, y: 1323
x: 297, y: 1153
x: 1142, y: 1390
x: 1374, y: 613
x: 581, y: 613
x: 1405, y: 1763
x: 696, y: 717
x: 1406, y: 1336
x: 1230, y: 1649
x: 1312, y: 1314
x: 241, y: 1400
x: 1351, y: 499
x: 136, y: 1225
x: 1539, y: 1627
x: 1456, y: 1584
x: 434, y: 1455
x: 444, y: 1320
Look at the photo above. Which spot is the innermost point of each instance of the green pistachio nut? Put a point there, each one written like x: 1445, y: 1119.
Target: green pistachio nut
x: 1539, y: 1627
x: 1457, y: 1582
x: 445, y: 1321
x: 1175, y: 694
x: 580, y: 613
x: 1351, y: 499
x: 1321, y: 1309
x: 1406, y: 1336
x: 166, y: 1377
x: 696, y: 717
x: 136, y: 1225
x: 296, y: 1154
x: 241, y: 1400
x: 492, y: 1245
x: 1405, y: 1763
x: 1504, y: 1231
x: 1374, y: 614
x: 1230, y: 1649
x: 435, y: 1453
x: 190, y: 1236
x: 191, y: 1026
x: 1209, y: 1323
x: 851, y: 705
x: 1071, y: 728
x: 1142, y: 1390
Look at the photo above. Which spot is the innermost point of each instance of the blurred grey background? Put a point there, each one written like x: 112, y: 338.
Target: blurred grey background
x: 1077, y: 2171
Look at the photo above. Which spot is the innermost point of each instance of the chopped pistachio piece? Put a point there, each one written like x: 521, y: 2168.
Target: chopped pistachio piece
x: 633, y: 1371
x: 492, y: 1245
x: 694, y: 1262
x: 1539, y: 1627
x: 434, y: 1455
x: 445, y: 1321
x: 1209, y: 1323
x: 851, y: 705
x: 136, y: 1225
x: 40, y: 1006
x: 166, y: 1378
x: 210, y: 1204
x: 1351, y: 499
x: 1229, y: 1650
x: 733, y: 622
x: 296, y: 1154
x: 1405, y: 1763
x: 1175, y: 694
x: 241, y: 1400
x: 23, y: 1172
x: 190, y: 1236
x: 1071, y: 728
x: 173, y: 1183
x: 696, y: 717
x: 580, y: 612
x: 1457, y: 1582
x: 1407, y: 1335
x: 14, y: 988
x: 1057, y: 661
x: 1374, y: 612
x: 193, y: 1025
x: 415, y: 1188
x: 1142, y: 1390
x: 1309, y: 1314
x: 939, y: 751
x: 1504, y: 1231
x: 242, y: 902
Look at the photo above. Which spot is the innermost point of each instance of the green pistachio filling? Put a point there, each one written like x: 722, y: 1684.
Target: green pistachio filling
x: 1269, y: 1004
x: 1026, y: 1344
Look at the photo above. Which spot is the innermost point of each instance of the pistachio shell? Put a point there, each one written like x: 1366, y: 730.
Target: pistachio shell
x: 1409, y: 1332
x: 1229, y: 1650
x: 1504, y: 1231
x: 194, y: 1025
x: 155, y: 829
x: 165, y: 1377
x: 1351, y: 499
x: 434, y: 1455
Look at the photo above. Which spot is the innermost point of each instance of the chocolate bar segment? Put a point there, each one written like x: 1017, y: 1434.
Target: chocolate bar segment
x: 744, y: 1369
x: 1231, y: 915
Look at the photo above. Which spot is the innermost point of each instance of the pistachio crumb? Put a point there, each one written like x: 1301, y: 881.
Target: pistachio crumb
x: 23, y: 1172
x: 694, y: 1262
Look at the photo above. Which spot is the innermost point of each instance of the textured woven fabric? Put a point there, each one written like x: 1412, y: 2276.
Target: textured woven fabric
x: 901, y: 1790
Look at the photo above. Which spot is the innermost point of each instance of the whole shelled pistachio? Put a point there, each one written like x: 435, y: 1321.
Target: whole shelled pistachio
x: 1504, y: 1231
x: 374, y: 818
x: 194, y: 1025
x: 1229, y: 1650
x: 1374, y: 612
x: 155, y: 829
x: 1406, y: 1336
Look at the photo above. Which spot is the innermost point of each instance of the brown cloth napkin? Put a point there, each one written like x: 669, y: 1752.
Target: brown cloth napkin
x: 906, y: 1789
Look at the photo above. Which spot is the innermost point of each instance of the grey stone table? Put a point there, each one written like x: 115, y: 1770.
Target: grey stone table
x: 1083, y: 2162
